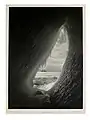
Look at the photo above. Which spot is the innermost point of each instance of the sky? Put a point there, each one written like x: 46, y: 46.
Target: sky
x: 58, y: 55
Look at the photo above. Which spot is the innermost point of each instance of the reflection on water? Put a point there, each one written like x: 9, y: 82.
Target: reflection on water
x: 49, y: 72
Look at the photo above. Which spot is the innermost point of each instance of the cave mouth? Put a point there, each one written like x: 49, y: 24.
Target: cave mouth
x: 50, y: 71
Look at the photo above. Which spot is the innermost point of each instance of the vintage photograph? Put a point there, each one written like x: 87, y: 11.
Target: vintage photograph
x: 45, y: 57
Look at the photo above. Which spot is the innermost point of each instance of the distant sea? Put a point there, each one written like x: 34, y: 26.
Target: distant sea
x: 47, y: 74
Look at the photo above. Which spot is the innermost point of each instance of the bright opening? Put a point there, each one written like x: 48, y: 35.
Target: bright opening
x: 50, y: 71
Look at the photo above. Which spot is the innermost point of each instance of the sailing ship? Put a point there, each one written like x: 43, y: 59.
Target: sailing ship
x: 43, y: 67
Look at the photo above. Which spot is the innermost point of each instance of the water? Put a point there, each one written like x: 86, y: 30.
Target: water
x: 47, y: 74
x: 45, y: 80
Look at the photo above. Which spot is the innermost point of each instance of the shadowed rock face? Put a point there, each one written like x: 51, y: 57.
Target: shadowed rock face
x: 32, y: 35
